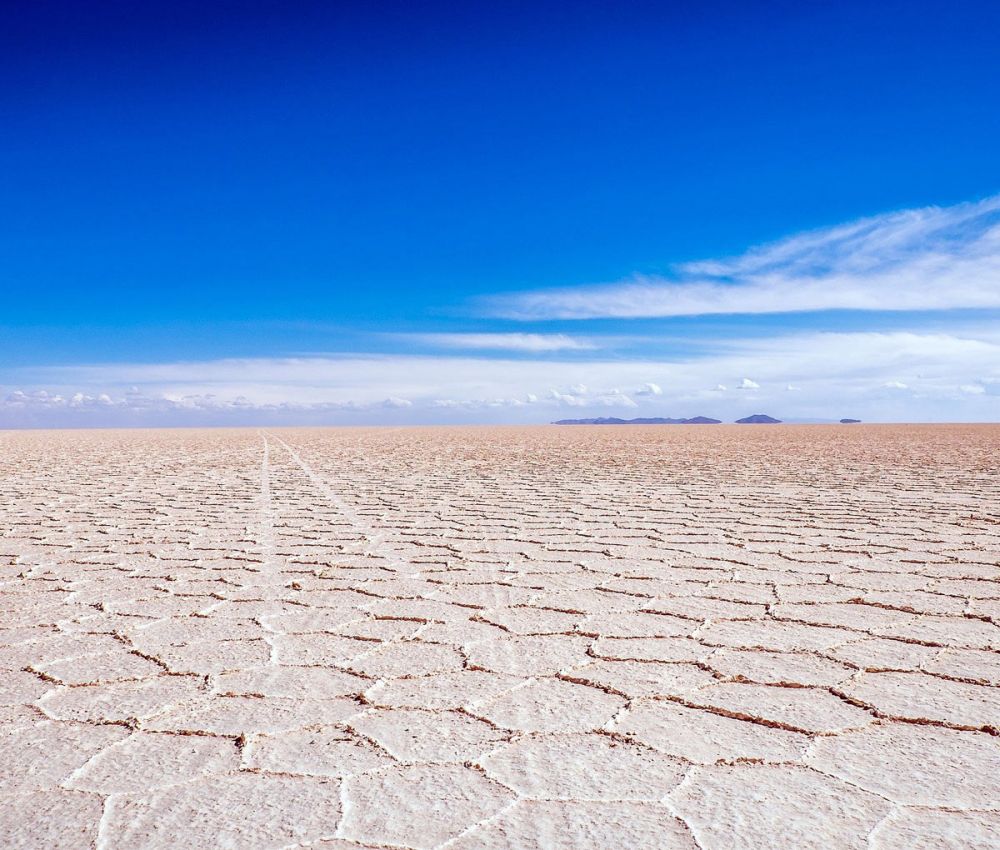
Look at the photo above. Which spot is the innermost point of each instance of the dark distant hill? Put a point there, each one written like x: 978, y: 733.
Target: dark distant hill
x: 614, y: 420
x: 849, y: 421
x: 758, y: 419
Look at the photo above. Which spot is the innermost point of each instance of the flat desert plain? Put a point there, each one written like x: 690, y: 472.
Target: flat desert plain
x: 555, y: 637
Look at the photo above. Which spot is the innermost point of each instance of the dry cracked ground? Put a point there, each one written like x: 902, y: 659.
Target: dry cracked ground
x: 716, y: 638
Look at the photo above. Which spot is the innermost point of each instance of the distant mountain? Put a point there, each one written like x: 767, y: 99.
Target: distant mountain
x: 849, y: 421
x: 758, y: 419
x: 614, y: 420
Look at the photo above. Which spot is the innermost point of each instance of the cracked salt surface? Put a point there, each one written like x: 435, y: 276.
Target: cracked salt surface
x: 501, y: 638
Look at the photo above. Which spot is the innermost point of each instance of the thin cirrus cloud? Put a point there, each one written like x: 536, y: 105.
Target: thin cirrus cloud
x: 935, y: 258
x: 527, y: 342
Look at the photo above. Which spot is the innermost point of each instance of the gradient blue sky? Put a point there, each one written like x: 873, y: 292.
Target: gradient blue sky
x: 356, y: 213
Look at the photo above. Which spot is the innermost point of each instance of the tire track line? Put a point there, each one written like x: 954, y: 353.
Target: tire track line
x: 373, y: 540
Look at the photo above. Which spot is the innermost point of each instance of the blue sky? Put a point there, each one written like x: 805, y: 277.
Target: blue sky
x: 335, y: 213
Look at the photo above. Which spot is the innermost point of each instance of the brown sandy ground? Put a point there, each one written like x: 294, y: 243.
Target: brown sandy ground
x: 718, y: 638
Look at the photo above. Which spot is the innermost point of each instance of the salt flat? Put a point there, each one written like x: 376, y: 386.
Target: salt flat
x: 671, y: 637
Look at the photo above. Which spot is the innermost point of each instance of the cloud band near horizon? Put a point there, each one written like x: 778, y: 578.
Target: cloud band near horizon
x: 877, y: 376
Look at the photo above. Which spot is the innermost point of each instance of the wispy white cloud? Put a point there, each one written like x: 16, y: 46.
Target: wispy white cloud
x: 528, y: 342
x: 936, y: 258
x: 472, y: 404
x: 649, y: 389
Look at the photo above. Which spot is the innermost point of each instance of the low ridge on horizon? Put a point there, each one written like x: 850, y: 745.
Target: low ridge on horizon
x: 755, y: 419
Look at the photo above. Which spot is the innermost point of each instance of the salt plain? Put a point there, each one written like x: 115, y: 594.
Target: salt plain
x: 672, y: 637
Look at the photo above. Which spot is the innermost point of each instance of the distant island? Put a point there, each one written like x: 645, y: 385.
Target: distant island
x: 758, y: 419
x: 849, y: 421
x: 614, y: 420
